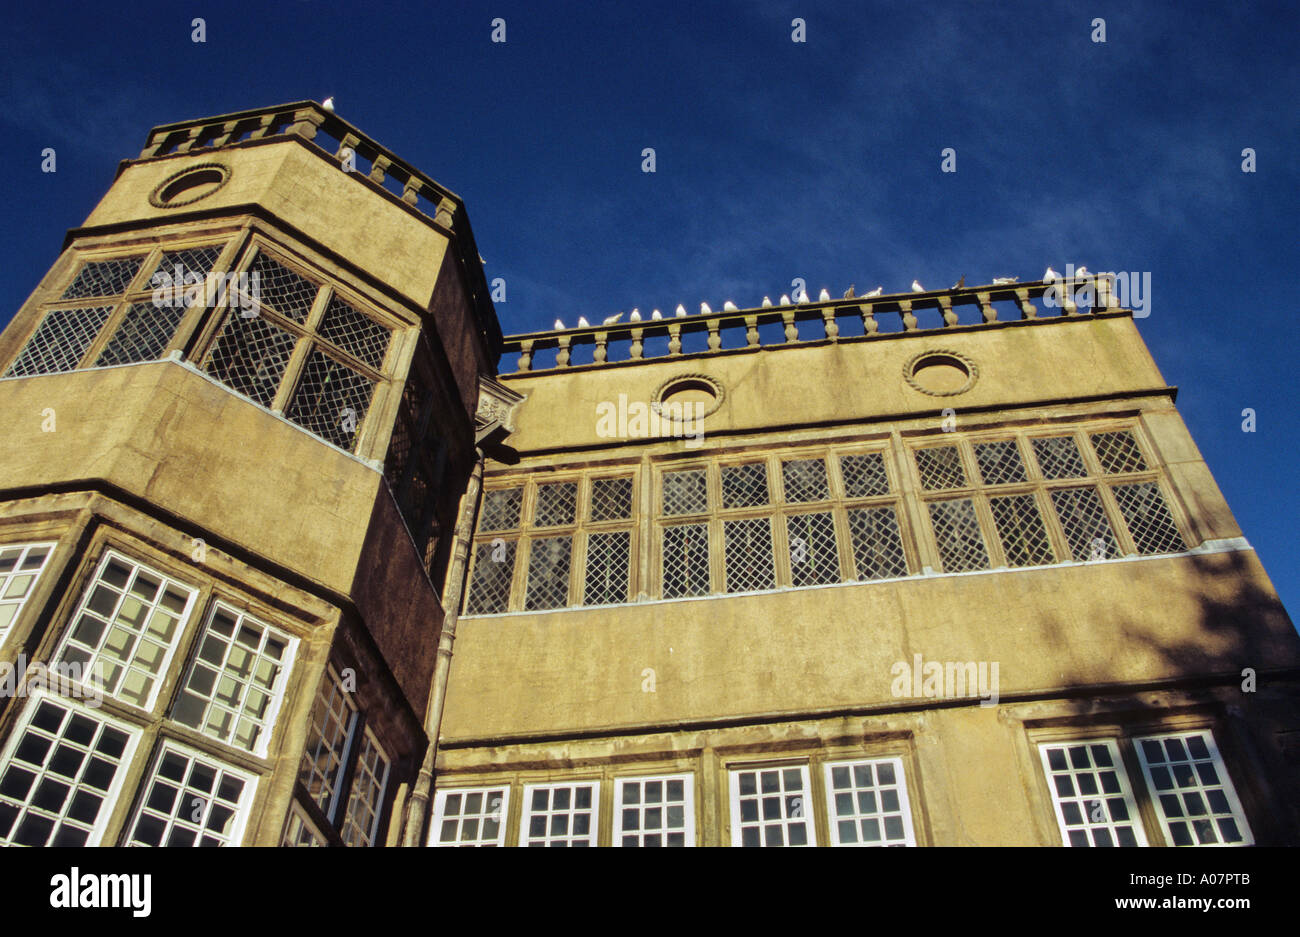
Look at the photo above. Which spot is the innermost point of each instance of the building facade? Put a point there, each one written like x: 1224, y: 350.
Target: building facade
x: 940, y: 568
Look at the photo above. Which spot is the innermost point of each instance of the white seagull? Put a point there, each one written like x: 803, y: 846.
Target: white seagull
x: 558, y: 325
x: 656, y: 315
x: 824, y: 295
x: 635, y: 316
x: 766, y: 302
x: 610, y: 320
x: 582, y: 322
x: 1005, y: 281
x: 328, y: 104
x: 704, y: 309
x: 681, y: 310
x: 876, y: 292
x: 1051, y: 275
x: 917, y: 287
x: 802, y: 297
x: 1082, y: 272
x: 785, y: 300
x: 729, y: 306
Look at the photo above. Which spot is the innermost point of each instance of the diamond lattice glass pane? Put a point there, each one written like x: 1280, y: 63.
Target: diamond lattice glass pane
x: 685, y: 492
x: 748, y: 555
x: 1020, y: 526
x: 405, y: 428
x: 250, y: 356
x: 1148, y: 518
x: 1084, y: 520
x: 104, y: 277
x: 60, y: 341
x: 354, y: 332
x: 1118, y: 452
x: 611, y: 499
x: 744, y: 485
x: 805, y: 480
x: 494, y: 567
x: 144, y: 332
x: 877, y: 543
x: 1059, y: 457
x: 331, y: 400
x: 556, y: 504
x: 194, y: 265
x: 814, y: 558
x: 548, y: 573
x: 501, y: 509
x: 1000, y: 462
x: 608, y: 555
x: 686, y: 560
x: 864, y: 475
x: 282, y: 289
x: 957, y: 533
x: 940, y: 468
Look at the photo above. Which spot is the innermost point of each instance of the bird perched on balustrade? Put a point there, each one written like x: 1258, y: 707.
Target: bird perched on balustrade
x: 704, y: 309
x: 681, y: 310
x: 328, y: 104
x: 729, y: 306
x: 582, y: 322
x: 824, y: 295
x: 766, y: 302
x: 874, y: 293
x: 1051, y: 275
x: 917, y: 287
x: 558, y: 325
x: 785, y: 300
x: 848, y: 294
x: 656, y: 315
x: 610, y: 320
x: 961, y: 282
x: 1005, y: 281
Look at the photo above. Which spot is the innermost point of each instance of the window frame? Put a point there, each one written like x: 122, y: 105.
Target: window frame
x: 526, y: 812
x: 136, y: 291
x: 734, y: 771
x: 112, y: 795
x: 1216, y: 758
x: 6, y: 578
x: 242, y: 811
x: 440, y: 815
x: 688, y: 801
x: 89, y: 581
x: 904, y: 801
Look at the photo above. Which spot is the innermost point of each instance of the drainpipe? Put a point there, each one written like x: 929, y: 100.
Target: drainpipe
x: 417, y: 806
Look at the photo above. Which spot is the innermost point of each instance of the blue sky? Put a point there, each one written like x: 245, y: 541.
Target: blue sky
x: 775, y: 159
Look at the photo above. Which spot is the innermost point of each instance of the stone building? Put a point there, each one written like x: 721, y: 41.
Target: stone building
x: 941, y: 568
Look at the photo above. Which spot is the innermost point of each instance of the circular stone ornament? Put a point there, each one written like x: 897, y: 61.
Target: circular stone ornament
x: 189, y: 185
x: 941, y: 373
x: 704, y: 392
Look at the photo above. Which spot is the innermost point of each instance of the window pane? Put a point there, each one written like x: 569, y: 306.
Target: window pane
x: 748, y: 555
x: 60, y: 341
x: 1090, y: 790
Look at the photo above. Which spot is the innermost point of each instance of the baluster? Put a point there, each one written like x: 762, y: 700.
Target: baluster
x: 227, y: 131
x: 379, y: 168
x: 411, y: 191
x: 674, y: 339
x: 190, y: 140
x: 526, y: 355
x: 562, y: 356
x: 715, y: 340
x: 832, y: 327
x: 791, y: 330
x: 1027, y: 310
x: 751, y: 331
x: 949, y: 317
x: 1106, y: 292
x: 602, y: 342
x: 446, y: 212
x: 986, y: 307
x: 909, y: 320
x: 636, y: 343
x: 869, y: 323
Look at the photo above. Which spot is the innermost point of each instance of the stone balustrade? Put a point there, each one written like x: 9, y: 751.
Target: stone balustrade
x: 879, y: 316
